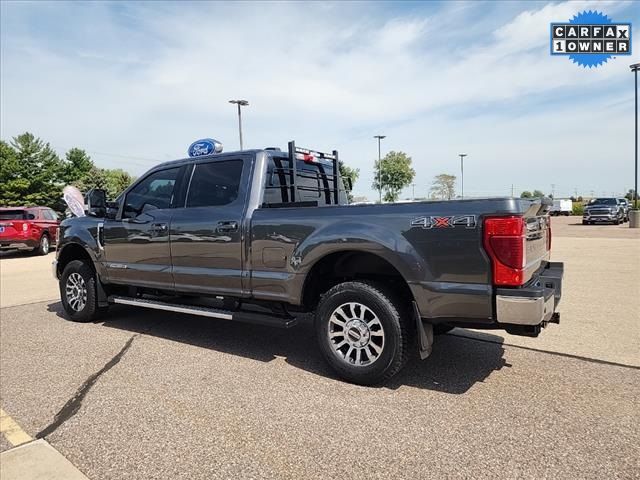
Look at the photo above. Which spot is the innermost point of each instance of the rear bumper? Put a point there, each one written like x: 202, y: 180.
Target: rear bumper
x: 534, y: 305
x: 22, y: 244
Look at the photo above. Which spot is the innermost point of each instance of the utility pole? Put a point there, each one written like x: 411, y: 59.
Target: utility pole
x: 634, y: 69
x: 240, y: 103
x: 512, y: 190
x: 379, y: 137
x: 413, y: 191
x: 553, y: 190
x: 462, y: 155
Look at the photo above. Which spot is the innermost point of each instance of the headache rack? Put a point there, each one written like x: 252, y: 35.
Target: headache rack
x: 291, y: 189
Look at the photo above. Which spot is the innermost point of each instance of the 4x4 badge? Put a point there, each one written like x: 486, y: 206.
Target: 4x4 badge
x: 467, y: 221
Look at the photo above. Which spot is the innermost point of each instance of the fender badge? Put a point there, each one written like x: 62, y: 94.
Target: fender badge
x: 452, y: 221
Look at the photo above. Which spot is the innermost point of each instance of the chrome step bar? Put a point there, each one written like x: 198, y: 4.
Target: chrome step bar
x: 238, y: 316
x: 170, y: 307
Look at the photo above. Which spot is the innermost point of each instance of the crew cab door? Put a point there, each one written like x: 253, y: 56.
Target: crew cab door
x: 207, y: 233
x: 136, y: 243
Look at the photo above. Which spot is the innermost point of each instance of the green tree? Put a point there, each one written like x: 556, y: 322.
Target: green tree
x: 537, y: 194
x: 526, y: 194
x: 77, y: 165
x: 117, y: 180
x: 31, y: 173
x: 347, y: 172
x: 11, y: 183
x: 443, y: 186
x: 95, y: 178
x: 395, y: 173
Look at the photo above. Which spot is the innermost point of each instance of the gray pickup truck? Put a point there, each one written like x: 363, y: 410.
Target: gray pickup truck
x: 262, y: 236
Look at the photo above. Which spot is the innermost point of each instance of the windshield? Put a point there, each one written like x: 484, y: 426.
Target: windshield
x: 12, y: 215
x: 603, y: 201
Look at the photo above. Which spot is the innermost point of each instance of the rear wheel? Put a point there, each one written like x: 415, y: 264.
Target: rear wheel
x: 43, y: 245
x: 78, y: 292
x: 362, y: 332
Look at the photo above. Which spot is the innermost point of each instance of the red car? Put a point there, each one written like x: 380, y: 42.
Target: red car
x: 28, y: 228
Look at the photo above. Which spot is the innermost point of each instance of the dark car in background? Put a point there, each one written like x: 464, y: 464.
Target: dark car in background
x: 609, y: 210
x: 31, y: 229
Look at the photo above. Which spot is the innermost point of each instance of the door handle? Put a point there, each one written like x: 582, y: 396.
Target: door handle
x: 227, y: 226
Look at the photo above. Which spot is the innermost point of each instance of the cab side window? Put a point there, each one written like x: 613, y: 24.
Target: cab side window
x: 215, y: 184
x: 153, y: 192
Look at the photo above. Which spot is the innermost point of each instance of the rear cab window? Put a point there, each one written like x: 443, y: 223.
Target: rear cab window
x: 315, y: 182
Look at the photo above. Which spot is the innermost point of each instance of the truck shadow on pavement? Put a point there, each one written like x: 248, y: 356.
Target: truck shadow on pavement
x: 455, y: 365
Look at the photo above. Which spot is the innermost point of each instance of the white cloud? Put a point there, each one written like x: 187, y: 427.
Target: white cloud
x: 147, y: 80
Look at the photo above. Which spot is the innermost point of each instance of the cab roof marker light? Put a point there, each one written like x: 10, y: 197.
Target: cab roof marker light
x: 307, y: 158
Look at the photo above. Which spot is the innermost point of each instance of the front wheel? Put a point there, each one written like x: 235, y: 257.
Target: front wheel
x: 78, y: 292
x: 362, y: 332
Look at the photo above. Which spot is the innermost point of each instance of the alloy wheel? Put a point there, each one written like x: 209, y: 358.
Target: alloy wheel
x: 356, y: 334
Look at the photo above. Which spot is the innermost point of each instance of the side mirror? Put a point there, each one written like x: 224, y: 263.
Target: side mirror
x: 112, y: 210
x: 96, y: 200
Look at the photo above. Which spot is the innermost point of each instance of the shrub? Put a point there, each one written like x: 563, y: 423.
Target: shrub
x: 578, y: 209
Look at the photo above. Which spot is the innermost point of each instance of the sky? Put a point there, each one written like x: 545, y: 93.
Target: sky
x: 135, y: 83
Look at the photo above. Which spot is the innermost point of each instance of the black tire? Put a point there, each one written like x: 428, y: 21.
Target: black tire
x: 89, y: 309
x: 442, y: 328
x: 43, y: 245
x: 616, y: 222
x: 391, y: 319
x: 584, y: 222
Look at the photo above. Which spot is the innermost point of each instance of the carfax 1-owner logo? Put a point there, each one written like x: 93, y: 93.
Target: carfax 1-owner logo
x: 590, y: 39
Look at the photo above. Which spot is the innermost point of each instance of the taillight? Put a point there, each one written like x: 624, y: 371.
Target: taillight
x: 505, y: 242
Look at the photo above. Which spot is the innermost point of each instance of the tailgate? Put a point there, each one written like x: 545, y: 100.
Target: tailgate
x: 9, y: 229
x: 538, y: 243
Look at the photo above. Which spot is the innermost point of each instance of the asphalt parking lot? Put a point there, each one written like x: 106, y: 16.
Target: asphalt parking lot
x: 156, y: 395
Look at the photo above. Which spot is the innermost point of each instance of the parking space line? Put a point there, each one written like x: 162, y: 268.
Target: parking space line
x: 12, y: 431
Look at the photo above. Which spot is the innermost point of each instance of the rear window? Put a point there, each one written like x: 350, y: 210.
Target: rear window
x: 315, y: 182
x: 16, y: 215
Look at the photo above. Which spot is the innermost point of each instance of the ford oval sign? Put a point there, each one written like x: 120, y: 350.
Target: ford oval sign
x: 206, y: 146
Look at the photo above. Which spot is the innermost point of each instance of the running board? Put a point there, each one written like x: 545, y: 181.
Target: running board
x: 238, y: 316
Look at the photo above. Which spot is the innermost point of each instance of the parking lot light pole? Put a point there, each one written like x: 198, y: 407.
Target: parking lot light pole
x: 462, y: 155
x: 379, y: 137
x: 634, y: 69
x: 240, y: 103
